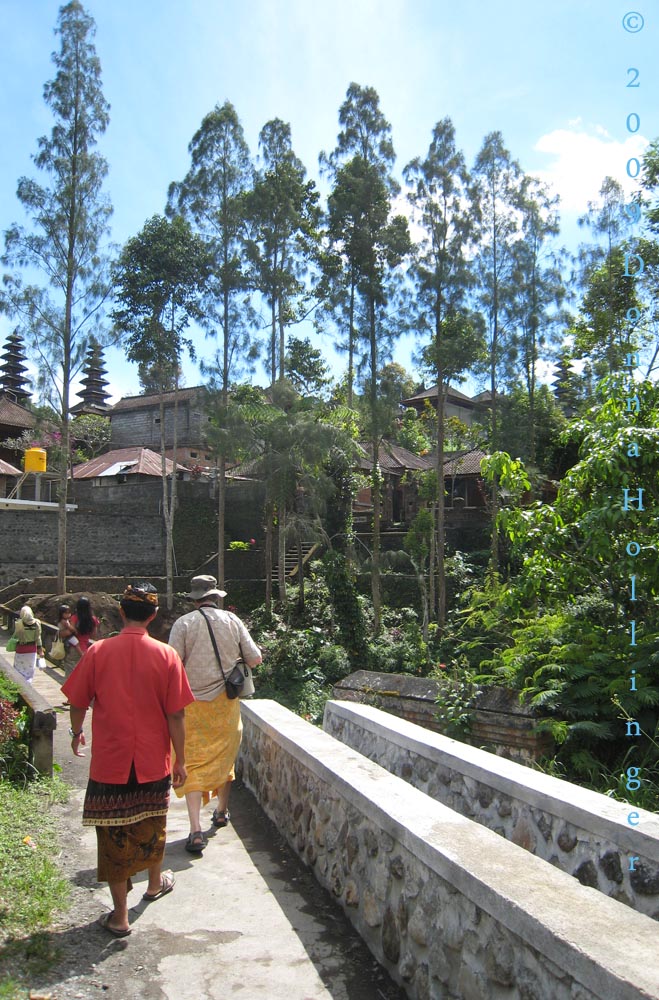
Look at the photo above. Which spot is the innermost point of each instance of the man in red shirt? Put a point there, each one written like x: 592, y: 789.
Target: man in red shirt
x: 139, y: 689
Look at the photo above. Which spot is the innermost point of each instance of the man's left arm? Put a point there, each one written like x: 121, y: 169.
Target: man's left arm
x: 176, y: 723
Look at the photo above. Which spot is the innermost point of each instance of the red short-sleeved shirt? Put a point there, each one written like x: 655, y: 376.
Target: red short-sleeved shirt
x: 135, y: 683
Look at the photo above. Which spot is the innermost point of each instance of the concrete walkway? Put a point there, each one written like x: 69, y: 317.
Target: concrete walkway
x: 246, y: 918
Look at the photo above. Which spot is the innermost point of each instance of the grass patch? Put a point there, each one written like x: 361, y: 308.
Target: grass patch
x: 11, y: 990
x: 32, y: 887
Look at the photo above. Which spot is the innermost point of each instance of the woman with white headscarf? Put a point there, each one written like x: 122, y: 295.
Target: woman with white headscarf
x: 28, y: 643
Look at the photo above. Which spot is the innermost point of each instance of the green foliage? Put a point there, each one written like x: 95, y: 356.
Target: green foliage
x: 90, y: 434
x: 581, y: 540
x: 399, y: 646
x: 347, y: 607
x: 159, y: 278
x: 552, y: 455
x: 297, y: 652
x: 15, y: 766
x: 455, y: 699
x: 213, y: 195
x: 411, y: 433
x: 306, y: 367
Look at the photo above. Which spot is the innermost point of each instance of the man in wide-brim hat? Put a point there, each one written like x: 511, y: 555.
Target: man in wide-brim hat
x: 204, y: 586
x: 213, y: 724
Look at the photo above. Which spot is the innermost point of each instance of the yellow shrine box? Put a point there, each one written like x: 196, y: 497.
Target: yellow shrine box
x: 35, y: 460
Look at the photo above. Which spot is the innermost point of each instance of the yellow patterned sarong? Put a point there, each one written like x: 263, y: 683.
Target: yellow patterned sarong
x: 213, y: 730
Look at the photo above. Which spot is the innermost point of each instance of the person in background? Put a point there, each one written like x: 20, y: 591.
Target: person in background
x: 139, y: 691
x: 85, y: 624
x: 214, y: 726
x: 67, y: 632
x: 27, y: 633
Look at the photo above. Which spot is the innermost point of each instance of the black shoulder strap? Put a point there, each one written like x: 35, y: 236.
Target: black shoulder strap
x: 217, y: 652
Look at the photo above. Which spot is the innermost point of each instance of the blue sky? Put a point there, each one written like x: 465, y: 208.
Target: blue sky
x: 552, y: 77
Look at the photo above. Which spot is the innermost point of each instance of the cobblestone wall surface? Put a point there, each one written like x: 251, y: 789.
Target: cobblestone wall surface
x: 583, y: 833
x: 450, y: 909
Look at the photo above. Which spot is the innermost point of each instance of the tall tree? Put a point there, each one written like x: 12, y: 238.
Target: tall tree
x: 498, y: 178
x: 213, y: 195
x: 159, y: 279
x: 365, y: 136
x: 538, y: 288
x: 443, y: 274
x: 283, y: 214
x: 374, y: 242
x: 601, y: 266
x: 69, y: 217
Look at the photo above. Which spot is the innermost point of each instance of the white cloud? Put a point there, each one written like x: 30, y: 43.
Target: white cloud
x: 582, y: 157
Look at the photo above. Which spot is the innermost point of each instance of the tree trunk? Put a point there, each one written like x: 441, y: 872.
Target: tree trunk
x: 375, y: 478
x: 494, y: 498
x: 168, y: 500
x: 300, y: 574
x: 273, y: 340
x: 433, y: 567
x: 67, y: 348
x: 268, y: 556
x: 375, y: 559
x: 351, y: 341
x: 441, y: 507
x: 221, y: 518
x: 424, y: 604
x: 222, y: 465
x: 281, y: 552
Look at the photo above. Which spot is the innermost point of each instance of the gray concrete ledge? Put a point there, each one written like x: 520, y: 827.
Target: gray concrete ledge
x: 571, y: 940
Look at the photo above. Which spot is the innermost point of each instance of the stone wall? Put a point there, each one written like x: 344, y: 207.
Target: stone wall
x: 118, y: 528
x: 581, y: 832
x: 142, y: 425
x: 98, y: 545
x: 498, y: 721
x: 447, y: 906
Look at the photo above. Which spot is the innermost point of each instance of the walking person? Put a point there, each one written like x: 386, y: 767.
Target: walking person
x: 140, y: 690
x: 27, y: 633
x: 84, y: 624
x: 213, y: 723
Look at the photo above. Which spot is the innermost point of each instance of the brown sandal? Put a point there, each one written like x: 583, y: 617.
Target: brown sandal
x: 167, y: 882
x: 195, y: 842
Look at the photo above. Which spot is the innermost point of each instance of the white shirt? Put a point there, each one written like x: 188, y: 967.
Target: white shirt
x: 190, y: 638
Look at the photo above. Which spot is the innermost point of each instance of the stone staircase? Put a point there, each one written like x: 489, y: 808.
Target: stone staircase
x: 290, y: 561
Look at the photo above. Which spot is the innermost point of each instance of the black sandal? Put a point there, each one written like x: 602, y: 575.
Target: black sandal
x: 195, y: 842
x: 221, y: 819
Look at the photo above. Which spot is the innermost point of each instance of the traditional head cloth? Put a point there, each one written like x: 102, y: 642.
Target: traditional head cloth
x: 26, y: 615
x: 140, y: 593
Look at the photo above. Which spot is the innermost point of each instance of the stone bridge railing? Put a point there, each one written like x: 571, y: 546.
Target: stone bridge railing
x: 450, y: 908
x: 43, y: 720
x: 583, y: 833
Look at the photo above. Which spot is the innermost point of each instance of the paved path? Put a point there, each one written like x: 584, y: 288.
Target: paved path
x: 245, y: 919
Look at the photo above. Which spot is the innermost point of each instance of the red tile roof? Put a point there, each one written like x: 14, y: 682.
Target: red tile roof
x: 9, y: 470
x: 126, y: 461
x: 394, y: 458
x: 464, y: 463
